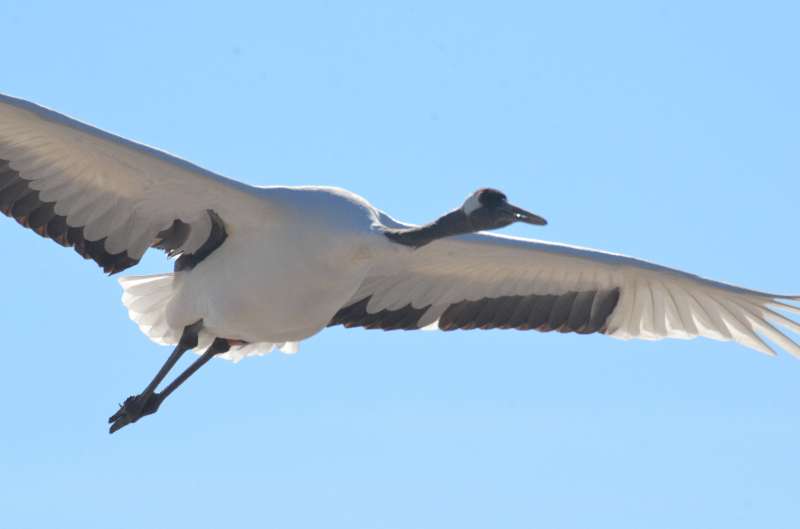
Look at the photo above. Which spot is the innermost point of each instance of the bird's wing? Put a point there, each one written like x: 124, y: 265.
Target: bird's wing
x: 107, y: 197
x: 488, y: 281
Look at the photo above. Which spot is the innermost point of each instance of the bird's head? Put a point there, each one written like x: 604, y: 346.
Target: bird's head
x: 485, y: 209
x: 488, y: 209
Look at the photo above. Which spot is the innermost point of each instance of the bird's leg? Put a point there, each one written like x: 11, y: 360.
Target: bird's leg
x: 146, y: 403
x: 137, y: 407
x: 218, y: 346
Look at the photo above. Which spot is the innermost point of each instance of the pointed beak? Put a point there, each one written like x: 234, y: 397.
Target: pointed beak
x: 520, y: 215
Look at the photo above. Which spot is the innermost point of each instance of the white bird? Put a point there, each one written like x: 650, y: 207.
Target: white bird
x: 264, y: 267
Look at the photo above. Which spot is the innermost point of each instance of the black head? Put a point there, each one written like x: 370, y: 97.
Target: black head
x: 488, y: 209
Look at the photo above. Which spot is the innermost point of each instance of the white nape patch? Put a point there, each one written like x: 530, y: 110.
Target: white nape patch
x: 472, y: 203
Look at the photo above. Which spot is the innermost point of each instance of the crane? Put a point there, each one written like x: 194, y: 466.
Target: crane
x: 259, y: 268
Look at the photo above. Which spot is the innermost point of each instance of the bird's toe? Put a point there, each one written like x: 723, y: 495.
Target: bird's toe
x: 133, y: 409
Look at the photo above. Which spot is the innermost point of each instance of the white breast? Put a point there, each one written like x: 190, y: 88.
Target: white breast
x: 282, y: 281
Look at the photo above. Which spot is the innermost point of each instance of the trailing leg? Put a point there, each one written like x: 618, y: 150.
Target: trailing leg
x: 147, y: 401
x: 138, y: 406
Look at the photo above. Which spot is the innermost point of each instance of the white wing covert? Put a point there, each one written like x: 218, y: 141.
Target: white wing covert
x: 107, y: 197
x: 489, y: 281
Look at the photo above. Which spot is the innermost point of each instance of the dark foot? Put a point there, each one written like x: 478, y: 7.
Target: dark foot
x: 133, y: 409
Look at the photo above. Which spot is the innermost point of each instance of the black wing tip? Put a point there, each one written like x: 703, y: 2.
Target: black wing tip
x: 356, y: 315
x: 22, y: 203
x: 581, y: 312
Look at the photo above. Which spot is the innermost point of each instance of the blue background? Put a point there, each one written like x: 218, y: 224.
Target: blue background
x: 665, y: 130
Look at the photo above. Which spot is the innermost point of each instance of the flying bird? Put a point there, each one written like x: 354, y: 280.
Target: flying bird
x: 258, y: 268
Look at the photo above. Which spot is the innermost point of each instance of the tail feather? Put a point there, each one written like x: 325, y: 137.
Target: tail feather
x: 147, y: 299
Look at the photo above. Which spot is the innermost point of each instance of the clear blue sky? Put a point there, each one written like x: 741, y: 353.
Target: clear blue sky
x: 665, y: 130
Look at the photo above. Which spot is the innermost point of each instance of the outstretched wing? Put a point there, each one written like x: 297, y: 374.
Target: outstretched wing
x: 107, y: 197
x: 487, y: 281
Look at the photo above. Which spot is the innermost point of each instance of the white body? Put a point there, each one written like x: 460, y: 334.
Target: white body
x: 282, y: 282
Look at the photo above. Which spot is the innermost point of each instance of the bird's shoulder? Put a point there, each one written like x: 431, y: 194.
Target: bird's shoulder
x: 312, y: 205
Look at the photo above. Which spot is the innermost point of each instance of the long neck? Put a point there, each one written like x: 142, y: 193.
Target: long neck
x: 454, y: 223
